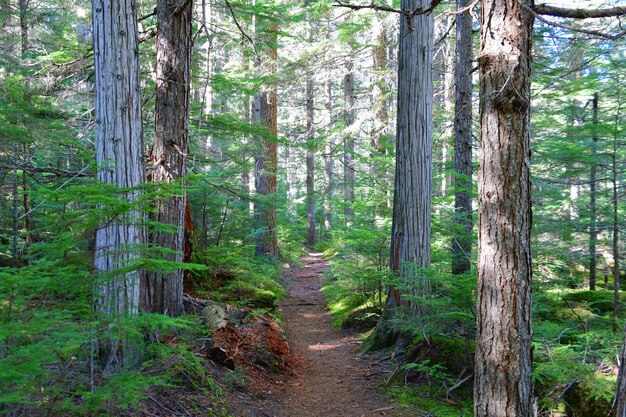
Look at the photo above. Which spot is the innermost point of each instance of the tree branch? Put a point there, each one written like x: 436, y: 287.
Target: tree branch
x: 232, y: 13
x: 574, y: 13
x: 546, y: 9
x: 339, y: 3
x: 379, y: 8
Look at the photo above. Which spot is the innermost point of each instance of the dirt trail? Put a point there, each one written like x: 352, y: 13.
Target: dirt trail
x: 333, y: 381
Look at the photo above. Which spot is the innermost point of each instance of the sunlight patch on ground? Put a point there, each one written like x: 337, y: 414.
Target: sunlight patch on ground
x: 333, y: 344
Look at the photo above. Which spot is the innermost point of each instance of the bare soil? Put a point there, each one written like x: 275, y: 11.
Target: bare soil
x: 330, y: 378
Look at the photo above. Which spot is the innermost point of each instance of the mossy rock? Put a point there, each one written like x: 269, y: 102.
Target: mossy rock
x: 214, y: 316
x: 264, y: 299
x: 575, y: 313
x: 599, y: 302
x: 363, y: 319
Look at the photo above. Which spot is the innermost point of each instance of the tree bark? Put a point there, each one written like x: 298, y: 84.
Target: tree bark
x: 619, y: 403
x: 119, y: 154
x: 162, y: 292
x: 411, y: 228
x: 380, y: 130
x: 348, y: 152
x: 310, y: 161
x: 266, y: 114
x: 23, y: 4
x: 462, y: 237
x: 503, y: 385
x: 593, y: 232
x: 328, y: 159
x: 615, y: 246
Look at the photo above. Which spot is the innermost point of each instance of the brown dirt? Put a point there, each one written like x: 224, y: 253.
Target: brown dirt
x: 331, y: 378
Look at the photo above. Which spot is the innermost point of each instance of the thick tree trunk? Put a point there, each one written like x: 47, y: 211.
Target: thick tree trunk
x: 462, y: 237
x: 266, y: 114
x: 310, y: 161
x: 162, y: 292
x: 119, y: 154
x: 411, y: 229
x: 348, y: 152
x: 503, y: 386
x: 593, y: 232
x: 265, y: 177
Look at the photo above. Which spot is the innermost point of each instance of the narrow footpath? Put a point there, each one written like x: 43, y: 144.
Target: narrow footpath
x: 333, y: 380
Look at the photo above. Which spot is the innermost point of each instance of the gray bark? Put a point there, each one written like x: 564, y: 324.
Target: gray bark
x: 119, y: 154
x: 411, y: 228
x: 503, y: 385
x: 462, y: 238
x: 328, y: 158
x: 593, y: 232
x: 310, y: 161
x: 162, y: 292
x: 620, y: 389
x: 380, y: 102
x: 348, y: 154
x: 23, y: 4
x: 615, y: 246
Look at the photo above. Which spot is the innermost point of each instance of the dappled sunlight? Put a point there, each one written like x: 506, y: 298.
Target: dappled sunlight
x: 331, y: 344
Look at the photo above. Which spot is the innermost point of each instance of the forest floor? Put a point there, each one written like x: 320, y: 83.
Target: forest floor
x: 329, y: 376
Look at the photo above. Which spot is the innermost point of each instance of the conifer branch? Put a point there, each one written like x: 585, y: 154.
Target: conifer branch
x: 545, y: 9
x: 408, y: 13
x: 243, y: 32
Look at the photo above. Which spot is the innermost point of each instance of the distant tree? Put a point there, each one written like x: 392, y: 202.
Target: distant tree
x: 310, y: 160
x: 462, y: 235
x: 119, y: 154
x: 349, y: 141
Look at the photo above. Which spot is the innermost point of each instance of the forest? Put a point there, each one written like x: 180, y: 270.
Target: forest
x: 248, y: 208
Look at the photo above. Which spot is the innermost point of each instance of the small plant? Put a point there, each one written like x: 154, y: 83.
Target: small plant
x: 235, y: 380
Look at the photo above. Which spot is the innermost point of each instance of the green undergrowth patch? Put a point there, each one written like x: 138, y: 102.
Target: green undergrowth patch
x: 235, y: 275
x: 426, y: 400
x: 574, y: 349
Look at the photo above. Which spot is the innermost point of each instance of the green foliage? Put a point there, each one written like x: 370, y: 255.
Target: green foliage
x: 425, y: 401
x: 235, y: 380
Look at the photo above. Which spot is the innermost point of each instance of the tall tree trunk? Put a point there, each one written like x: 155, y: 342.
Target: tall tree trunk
x: 449, y: 99
x: 348, y: 151
x: 25, y: 199
x: 162, y: 292
x: 328, y: 158
x: 380, y: 130
x: 593, y: 186
x: 503, y: 385
x: 266, y: 114
x: 615, y: 246
x: 462, y: 237
x: 119, y: 154
x: 24, y: 25
x: 16, y: 219
x: 619, y: 403
x: 310, y: 161
x: 411, y: 228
